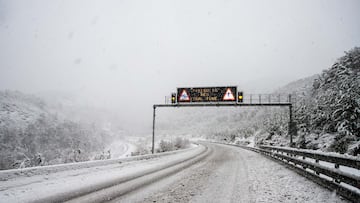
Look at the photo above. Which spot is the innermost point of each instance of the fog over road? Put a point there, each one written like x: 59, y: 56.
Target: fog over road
x: 232, y: 174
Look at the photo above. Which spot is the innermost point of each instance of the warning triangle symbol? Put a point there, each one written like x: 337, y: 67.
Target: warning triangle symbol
x: 228, y: 96
x: 184, y: 96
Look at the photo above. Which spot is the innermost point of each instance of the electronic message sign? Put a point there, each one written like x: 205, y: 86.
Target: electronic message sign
x: 206, y: 94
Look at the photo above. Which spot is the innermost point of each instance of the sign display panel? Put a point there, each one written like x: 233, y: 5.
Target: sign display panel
x: 207, y: 94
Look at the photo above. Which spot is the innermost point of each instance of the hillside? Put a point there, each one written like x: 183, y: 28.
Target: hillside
x: 32, y: 133
x: 326, y: 112
x: 330, y: 111
x: 326, y: 109
x: 298, y: 87
x: 19, y: 110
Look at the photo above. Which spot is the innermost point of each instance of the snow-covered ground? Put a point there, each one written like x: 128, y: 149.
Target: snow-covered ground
x: 57, y: 185
x: 121, y: 149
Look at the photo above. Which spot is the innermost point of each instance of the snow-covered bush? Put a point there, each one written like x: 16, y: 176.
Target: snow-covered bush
x: 166, y: 146
x: 181, y: 143
x: 178, y: 143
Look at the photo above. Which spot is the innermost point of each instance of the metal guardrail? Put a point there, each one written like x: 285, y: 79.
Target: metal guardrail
x: 315, y: 166
x: 352, y: 162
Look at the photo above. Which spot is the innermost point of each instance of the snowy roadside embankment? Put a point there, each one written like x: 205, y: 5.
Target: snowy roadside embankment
x: 40, y: 170
x: 63, y: 182
x: 336, y: 172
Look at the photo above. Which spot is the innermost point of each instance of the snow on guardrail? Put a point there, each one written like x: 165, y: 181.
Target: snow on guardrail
x: 336, y: 172
x: 340, y: 173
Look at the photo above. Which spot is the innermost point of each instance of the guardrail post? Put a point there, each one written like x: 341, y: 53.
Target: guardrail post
x: 317, y: 161
x: 153, y: 132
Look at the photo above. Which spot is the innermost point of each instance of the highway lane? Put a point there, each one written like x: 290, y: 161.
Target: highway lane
x: 232, y: 174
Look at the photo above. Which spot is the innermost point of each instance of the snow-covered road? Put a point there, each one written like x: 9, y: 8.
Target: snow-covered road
x: 214, y: 173
x: 68, y: 181
x: 232, y: 174
x: 121, y: 149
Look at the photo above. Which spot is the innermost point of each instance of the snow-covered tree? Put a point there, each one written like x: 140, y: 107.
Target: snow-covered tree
x: 333, y: 105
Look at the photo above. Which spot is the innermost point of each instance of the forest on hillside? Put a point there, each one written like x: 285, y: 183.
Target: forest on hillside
x: 32, y: 134
x: 326, y: 114
x: 326, y: 110
x: 332, y: 106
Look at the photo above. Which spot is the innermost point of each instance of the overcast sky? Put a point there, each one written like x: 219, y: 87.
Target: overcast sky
x: 129, y: 54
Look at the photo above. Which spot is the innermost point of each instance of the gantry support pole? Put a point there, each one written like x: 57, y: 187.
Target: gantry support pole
x: 291, y: 125
x: 153, y: 131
